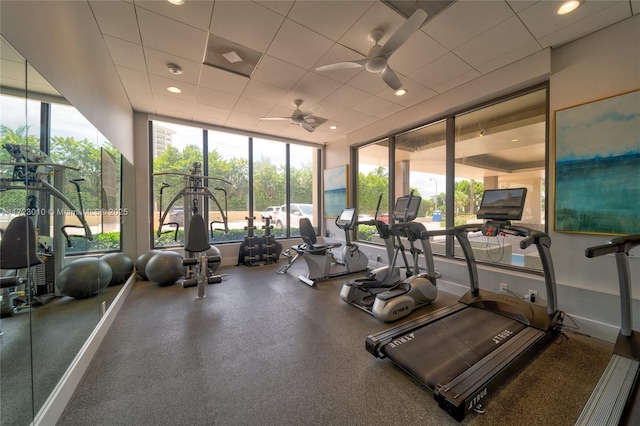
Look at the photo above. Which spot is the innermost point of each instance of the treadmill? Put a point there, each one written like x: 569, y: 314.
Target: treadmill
x: 463, y: 351
x: 616, y: 398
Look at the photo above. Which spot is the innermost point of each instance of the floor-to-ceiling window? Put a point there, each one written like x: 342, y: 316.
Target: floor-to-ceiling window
x: 373, y: 186
x: 451, y: 161
x: 246, y: 178
x: 502, y: 145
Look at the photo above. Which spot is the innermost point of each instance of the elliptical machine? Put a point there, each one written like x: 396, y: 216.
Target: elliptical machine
x: 319, y: 257
x: 387, y: 293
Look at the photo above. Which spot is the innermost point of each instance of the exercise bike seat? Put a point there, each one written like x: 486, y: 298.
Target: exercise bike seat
x: 398, y: 290
x: 308, y: 235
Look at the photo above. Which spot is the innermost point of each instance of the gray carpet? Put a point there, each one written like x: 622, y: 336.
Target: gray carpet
x: 265, y: 349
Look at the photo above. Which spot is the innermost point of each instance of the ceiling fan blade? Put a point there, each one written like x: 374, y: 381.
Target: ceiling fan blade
x: 403, y: 33
x: 343, y: 65
x: 391, y: 78
x: 276, y: 118
x: 308, y: 127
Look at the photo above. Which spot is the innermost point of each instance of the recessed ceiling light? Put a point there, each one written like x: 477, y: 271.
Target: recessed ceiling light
x: 568, y: 7
x: 333, y: 127
x: 174, y: 89
x: 176, y: 2
x: 400, y: 92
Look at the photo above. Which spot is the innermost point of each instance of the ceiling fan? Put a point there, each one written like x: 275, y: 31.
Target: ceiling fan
x: 376, y: 60
x: 303, y: 119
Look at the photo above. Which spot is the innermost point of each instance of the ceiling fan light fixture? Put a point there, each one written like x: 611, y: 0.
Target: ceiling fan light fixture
x: 176, y: 2
x: 174, y: 89
x: 568, y: 7
x: 400, y: 92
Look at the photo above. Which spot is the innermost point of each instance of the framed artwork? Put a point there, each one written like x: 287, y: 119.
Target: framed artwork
x: 336, y: 190
x: 597, y: 168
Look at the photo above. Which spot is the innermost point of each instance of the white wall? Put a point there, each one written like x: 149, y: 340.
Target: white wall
x: 602, y: 64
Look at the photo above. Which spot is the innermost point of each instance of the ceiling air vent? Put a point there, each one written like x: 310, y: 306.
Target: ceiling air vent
x: 229, y: 56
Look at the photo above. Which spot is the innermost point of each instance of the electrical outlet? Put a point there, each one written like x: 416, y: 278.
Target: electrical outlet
x: 532, y: 296
x: 504, y: 288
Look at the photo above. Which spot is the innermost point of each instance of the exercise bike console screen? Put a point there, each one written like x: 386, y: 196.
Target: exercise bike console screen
x: 347, y: 218
x: 502, y: 204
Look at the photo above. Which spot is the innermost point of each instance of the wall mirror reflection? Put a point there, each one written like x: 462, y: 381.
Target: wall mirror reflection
x: 60, y: 235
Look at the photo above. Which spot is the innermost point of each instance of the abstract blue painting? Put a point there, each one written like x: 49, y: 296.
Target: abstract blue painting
x: 335, y: 191
x: 597, y: 174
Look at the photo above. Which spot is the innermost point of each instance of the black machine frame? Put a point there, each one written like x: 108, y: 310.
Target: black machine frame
x: 470, y: 386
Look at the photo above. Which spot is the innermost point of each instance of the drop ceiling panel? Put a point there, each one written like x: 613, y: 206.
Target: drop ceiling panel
x: 295, y: 37
x: 117, y: 19
x: 246, y: 23
x: 541, y: 18
x: 263, y: 92
x: 298, y: 45
x: 281, y: 7
x: 330, y: 18
x: 158, y: 63
x: 500, y: 40
x: 194, y: 13
x: 223, y: 81
x: 216, y: 98
x: 347, y: 97
x: 438, y: 72
x: 159, y: 86
x: 377, y: 107
x: 134, y: 79
x: 253, y: 107
x: 210, y: 112
x: 464, y: 20
x: 171, y: 36
x: 278, y: 73
x: 126, y: 53
x: 316, y: 86
x: 610, y: 15
x: 417, y: 52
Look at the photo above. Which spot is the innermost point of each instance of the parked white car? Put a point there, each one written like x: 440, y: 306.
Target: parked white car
x: 271, y: 212
x: 297, y: 211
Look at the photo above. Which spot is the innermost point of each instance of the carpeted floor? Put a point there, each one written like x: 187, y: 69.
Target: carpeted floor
x: 266, y: 349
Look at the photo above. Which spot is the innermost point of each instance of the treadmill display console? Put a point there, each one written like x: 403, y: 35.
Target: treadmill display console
x: 502, y: 204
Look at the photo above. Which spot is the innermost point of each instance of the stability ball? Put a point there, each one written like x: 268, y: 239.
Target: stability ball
x: 84, y: 277
x: 121, y: 266
x: 214, y: 251
x: 141, y: 262
x: 165, y: 268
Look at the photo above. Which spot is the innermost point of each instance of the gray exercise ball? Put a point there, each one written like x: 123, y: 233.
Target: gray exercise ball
x: 214, y: 251
x: 165, y: 268
x: 84, y: 277
x: 141, y: 262
x: 121, y: 266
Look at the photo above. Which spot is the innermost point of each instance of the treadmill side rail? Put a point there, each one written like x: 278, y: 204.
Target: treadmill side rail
x: 607, y: 402
x: 466, y: 391
x: 375, y: 342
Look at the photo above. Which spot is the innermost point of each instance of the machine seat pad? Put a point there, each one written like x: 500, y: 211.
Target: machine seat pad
x: 398, y: 290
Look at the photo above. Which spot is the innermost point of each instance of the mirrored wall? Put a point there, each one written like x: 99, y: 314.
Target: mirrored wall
x: 60, y: 235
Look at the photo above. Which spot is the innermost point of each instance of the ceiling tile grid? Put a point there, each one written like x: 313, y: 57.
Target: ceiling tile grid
x: 464, y: 41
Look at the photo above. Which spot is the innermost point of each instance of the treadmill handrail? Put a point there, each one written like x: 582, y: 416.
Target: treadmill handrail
x: 621, y: 247
x: 532, y: 236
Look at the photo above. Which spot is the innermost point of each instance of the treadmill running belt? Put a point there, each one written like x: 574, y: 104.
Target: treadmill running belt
x: 442, y: 350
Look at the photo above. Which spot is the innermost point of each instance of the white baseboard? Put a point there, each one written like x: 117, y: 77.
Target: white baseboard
x: 56, y: 402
